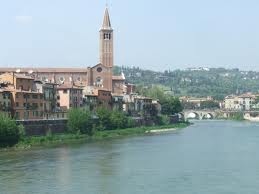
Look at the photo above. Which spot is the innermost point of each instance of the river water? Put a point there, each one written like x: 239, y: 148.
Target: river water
x: 209, y: 157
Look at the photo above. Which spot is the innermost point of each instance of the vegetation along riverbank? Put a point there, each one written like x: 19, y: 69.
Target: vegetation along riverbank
x: 81, y: 126
x: 60, y: 139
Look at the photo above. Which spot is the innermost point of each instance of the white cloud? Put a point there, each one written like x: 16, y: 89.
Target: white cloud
x: 23, y: 19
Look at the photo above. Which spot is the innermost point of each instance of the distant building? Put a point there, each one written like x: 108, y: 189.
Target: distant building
x: 195, y: 101
x: 243, y: 102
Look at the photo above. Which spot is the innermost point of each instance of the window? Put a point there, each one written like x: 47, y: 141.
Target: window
x: 26, y: 96
x: 64, y: 91
x: 17, y: 115
x: 17, y: 95
x: 99, y: 69
x: 99, y: 82
x: 61, y: 79
x: 35, y: 96
x: 17, y: 104
x: 43, y: 78
x: 107, y: 36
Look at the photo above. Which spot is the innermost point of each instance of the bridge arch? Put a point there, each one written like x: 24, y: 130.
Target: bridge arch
x: 181, y: 116
x: 207, y: 116
x: 192, y: 115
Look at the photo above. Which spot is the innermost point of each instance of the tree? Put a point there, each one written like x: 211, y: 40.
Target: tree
x: 9, y: 132
x: 110, y: 120
x: 80, y: 120
x: 118, y: 120
x: 103, y: 119
x: 171, y: 105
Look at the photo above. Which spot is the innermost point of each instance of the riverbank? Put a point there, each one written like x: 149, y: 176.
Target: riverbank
x: 55, y: 140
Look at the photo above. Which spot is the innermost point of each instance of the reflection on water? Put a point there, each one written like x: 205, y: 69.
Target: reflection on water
x: 208, y: 157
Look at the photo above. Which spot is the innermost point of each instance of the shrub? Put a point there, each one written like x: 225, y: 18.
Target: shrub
x: 104, y: 120
x: 80, y: 120
x: 118, y: 120
x: 9, y: 132
x: 109, y: 120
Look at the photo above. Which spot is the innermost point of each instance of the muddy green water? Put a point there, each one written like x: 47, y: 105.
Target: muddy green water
x: 209, y: 157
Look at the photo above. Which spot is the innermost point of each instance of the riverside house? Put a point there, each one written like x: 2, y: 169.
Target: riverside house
x: 69, y: 96
x: 26, y: 103
x: 5, y: 102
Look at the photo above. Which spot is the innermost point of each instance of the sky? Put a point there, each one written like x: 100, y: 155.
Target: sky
x: 157, y: 35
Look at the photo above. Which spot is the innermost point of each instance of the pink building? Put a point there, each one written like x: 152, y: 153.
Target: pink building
x: 69, y: 96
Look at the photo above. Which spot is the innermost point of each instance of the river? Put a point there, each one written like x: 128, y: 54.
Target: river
x: 209, y: 157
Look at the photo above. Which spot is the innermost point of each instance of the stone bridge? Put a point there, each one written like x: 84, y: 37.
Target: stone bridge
x: 199, y: 114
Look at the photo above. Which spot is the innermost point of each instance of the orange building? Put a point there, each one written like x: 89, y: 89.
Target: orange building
x: 28, y: 105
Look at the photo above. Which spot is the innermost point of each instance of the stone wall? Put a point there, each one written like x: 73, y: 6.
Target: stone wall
x: 42, y: 127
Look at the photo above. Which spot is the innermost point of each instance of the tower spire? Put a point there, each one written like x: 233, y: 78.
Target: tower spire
x: 106, y: 41
x: 106, y: 20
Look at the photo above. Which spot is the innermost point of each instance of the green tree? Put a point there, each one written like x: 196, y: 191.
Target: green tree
x: 171, y: 105
x: 9, y: 132
x: 118, y: 120
x: 104, y: 119
x: 80, y: 120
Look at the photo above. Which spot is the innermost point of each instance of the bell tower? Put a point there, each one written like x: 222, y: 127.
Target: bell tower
x: 106, y: 41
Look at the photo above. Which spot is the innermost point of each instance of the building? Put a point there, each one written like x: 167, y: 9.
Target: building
x: 136, y: 105
x: 105, y: 99
x: 118, y: 85
x: 50, y: 92
x: 243, y: 102
x: 28, y: 105
x: 99, y: 76
x: 5, y: 102
x: 131, y: 88
x: 69, y: 96
x: 194, y: 101
x: 18, y: 81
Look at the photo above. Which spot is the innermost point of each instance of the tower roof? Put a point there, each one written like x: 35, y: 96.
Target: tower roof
x: 106, y: 20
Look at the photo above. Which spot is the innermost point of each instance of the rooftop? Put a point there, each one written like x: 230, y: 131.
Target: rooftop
x: 46, y: 70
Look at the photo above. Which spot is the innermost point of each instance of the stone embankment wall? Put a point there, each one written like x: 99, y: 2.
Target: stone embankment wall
x: 43, y: 127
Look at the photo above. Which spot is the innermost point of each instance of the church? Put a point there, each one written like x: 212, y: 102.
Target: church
x: 97, y: 77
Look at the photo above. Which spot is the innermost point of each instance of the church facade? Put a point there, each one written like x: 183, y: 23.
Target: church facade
x: 99, y: 76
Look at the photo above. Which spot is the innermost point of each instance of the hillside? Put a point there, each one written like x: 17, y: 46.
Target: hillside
x: 199, y: 82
